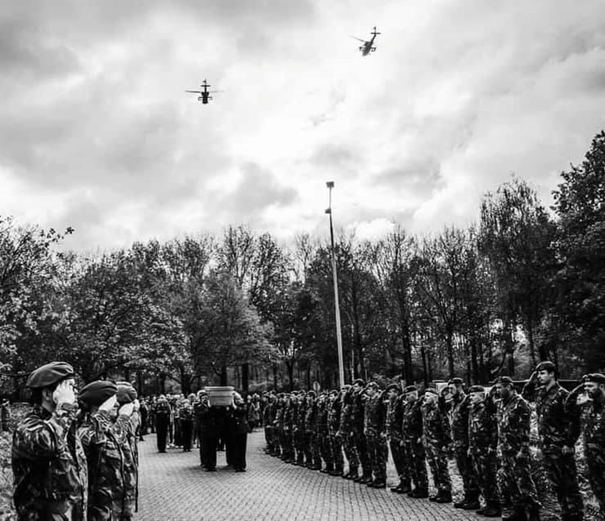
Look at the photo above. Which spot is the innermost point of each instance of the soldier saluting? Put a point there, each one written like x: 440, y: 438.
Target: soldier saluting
x: 49, y: 466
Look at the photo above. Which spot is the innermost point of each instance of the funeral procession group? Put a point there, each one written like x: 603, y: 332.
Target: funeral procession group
x: 75, y: 455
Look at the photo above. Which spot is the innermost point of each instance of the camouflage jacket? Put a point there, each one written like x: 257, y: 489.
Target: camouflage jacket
x: 269, y: 414
x: 322, y: 416
x: 374, y: 413
x: 278, y: 418
x: 513, y: 424
x: 357, y: 414
x: 411, y: 425
x: 300, y: 414
x: 346, y: 414
x: 482, y: 428
x: 458, y: 416
x: 311, y: 416
x: 111, y: 480
x: 49, y: 466
x: 394, y: 419
x: 593, y: 425
x: 186, y: 413
x: 334, y: 409
x: 556, y: 426
x: 435, y: 426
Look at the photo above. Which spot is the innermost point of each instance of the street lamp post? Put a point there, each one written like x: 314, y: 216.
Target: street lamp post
x: 341, y: 369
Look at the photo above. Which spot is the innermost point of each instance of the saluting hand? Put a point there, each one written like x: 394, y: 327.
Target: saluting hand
x: 109, y: 404
x: 126, y: 409
x: 64, y: 393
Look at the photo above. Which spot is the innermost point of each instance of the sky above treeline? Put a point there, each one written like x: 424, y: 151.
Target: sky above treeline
x: 97, y: 133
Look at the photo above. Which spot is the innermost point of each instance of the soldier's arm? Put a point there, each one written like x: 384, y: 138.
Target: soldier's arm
x: 45, y: 438
x: 523, y: 428
x: 529, y: 389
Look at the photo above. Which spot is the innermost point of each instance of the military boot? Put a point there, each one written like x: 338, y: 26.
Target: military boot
x: 443, y: 496
x: 365, y: 479
x: 378, y: 483
x: 419, y: 493
x: 491, y: 510
x: 471, y: 503
x: 352, y: 474
x: 328, y: 470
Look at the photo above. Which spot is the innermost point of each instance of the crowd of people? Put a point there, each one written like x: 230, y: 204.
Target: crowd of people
x: 349, y: 432
x: 75, y: 455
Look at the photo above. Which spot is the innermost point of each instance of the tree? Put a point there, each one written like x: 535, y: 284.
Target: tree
x: 580, y: 208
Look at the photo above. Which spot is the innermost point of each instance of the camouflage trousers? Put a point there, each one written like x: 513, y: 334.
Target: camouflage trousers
x: 516, y: 485
x: 467, y: 472
x: 377, y: 452
x: 401, y: 465
x: 416, y: 458
x: 312, y: 449
x: 485, y: 466
x: 287, y: 446
x: 362, y: 452
x: 323, y: 441
x: 348, y: 444
x: 551, y: 509
x: 595, y: 459
x: 336, y: 447
x: 562, y: 473
x: 269, y: 439
x: 437, y: 460
x: 298, y: 438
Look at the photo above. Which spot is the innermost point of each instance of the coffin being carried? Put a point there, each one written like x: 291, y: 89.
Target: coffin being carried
x: 220, y: 396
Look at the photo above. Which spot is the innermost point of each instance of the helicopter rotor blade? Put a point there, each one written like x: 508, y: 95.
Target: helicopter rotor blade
x: 358, y: 39
x: 194, y: 91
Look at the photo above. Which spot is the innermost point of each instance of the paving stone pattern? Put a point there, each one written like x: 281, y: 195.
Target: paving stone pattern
x: 173, y: 487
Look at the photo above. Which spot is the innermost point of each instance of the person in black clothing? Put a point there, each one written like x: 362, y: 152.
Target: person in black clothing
x: 162, y: 421
x: 239, y: 433
x: 212, y: 422
x: 186, y: 421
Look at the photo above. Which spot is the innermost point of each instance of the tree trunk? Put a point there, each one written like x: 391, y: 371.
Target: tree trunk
x: 450, y: 352
x: 275, y: 376
x: 245, y: 377
x: 224, y: 377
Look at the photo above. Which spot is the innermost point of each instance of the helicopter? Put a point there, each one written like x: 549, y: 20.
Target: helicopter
x: 204, y: 95
x: 368, y: 45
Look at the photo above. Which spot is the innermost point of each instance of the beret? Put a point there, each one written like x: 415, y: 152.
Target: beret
x: 410, y: 389
x: 456, y: 381
x: 595, y: 377
x: 372, y: 384
x: 431, y: 390
x: 95, y: 393
x: 504, y: 380
x: 546, y: 366
x: 476, y: 389
x: 360, y: 381
x: 126, y: 393
x: 49, y: 374
x: 393, y: 387
x: 311, y: 394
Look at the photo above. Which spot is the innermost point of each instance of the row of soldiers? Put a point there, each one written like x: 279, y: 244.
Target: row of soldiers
x: 74, y: 456
x: 487, y: 431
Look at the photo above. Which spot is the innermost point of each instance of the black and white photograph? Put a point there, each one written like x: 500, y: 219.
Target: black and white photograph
x: 286, y: 260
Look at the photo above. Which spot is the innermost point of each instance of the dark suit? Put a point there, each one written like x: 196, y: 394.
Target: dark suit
x: 239, y: 436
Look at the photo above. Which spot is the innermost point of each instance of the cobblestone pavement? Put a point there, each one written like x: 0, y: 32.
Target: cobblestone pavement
x: 173, y: 487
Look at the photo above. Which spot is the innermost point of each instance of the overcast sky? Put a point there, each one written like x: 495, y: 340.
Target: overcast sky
x: 97, y: 133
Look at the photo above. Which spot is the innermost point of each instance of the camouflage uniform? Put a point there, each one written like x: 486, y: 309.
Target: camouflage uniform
x: 458, y: 414
x: 515, y: 483
x: 298, y: 430
x: 49, y: 467
x: 374, y: 431
x: 287, y: 426
x: 394, y: 432
x: 593, y: 431
x: 360, y: 439
x: 334, y: 408
x: 323, y: 434
x: 413, y: 447
x: 436, y: 437
x: 110, y: 483
x: 278, y: 427
x: 483, y: 442
x: 268, y: 417
x: 312, y: 453
x: 557, y: 428
x: 347, y: 434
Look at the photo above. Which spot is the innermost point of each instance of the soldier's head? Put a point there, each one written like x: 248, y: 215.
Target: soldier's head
x: 94, y: 394
x: 371, y: 389
x: 237, y: 398
x: 310, y: 397
x: 392, y: 391
x: 594, y: 385
x: 477, y: 394
x: 358, y: 385
x: 333, y: 395
x: 43, y: 383
x: 456, y: 387
x: 547, y: 372
x: 504, y: 387
x: 344, y: 389
x: 411, y: 393
x: 431, y: 396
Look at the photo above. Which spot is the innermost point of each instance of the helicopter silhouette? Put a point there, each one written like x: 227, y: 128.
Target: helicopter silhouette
x: 204, y: 95
x: 368, y: 45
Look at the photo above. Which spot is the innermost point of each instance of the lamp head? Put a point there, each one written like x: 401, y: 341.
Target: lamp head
x: 330, y: 184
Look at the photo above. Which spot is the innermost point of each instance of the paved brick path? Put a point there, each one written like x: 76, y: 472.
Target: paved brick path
x: 173, y: 487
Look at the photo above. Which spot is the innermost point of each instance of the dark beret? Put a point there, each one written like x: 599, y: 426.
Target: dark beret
x: 456, y: 381
x: 49, y: 374
x: 597, y: 378
x: 410, y: 389
x: 431, y: 390
x: 372, y: 384
x: 311, y: 394
x: 507, y: 380
x: 95, y: 393
x: 546, y: 366
x: 393, y: 387
x: 126, y: 393
x: 360, y: 381
x: 476, y: 389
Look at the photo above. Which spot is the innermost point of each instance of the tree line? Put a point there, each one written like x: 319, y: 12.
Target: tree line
x: 523, y: 284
